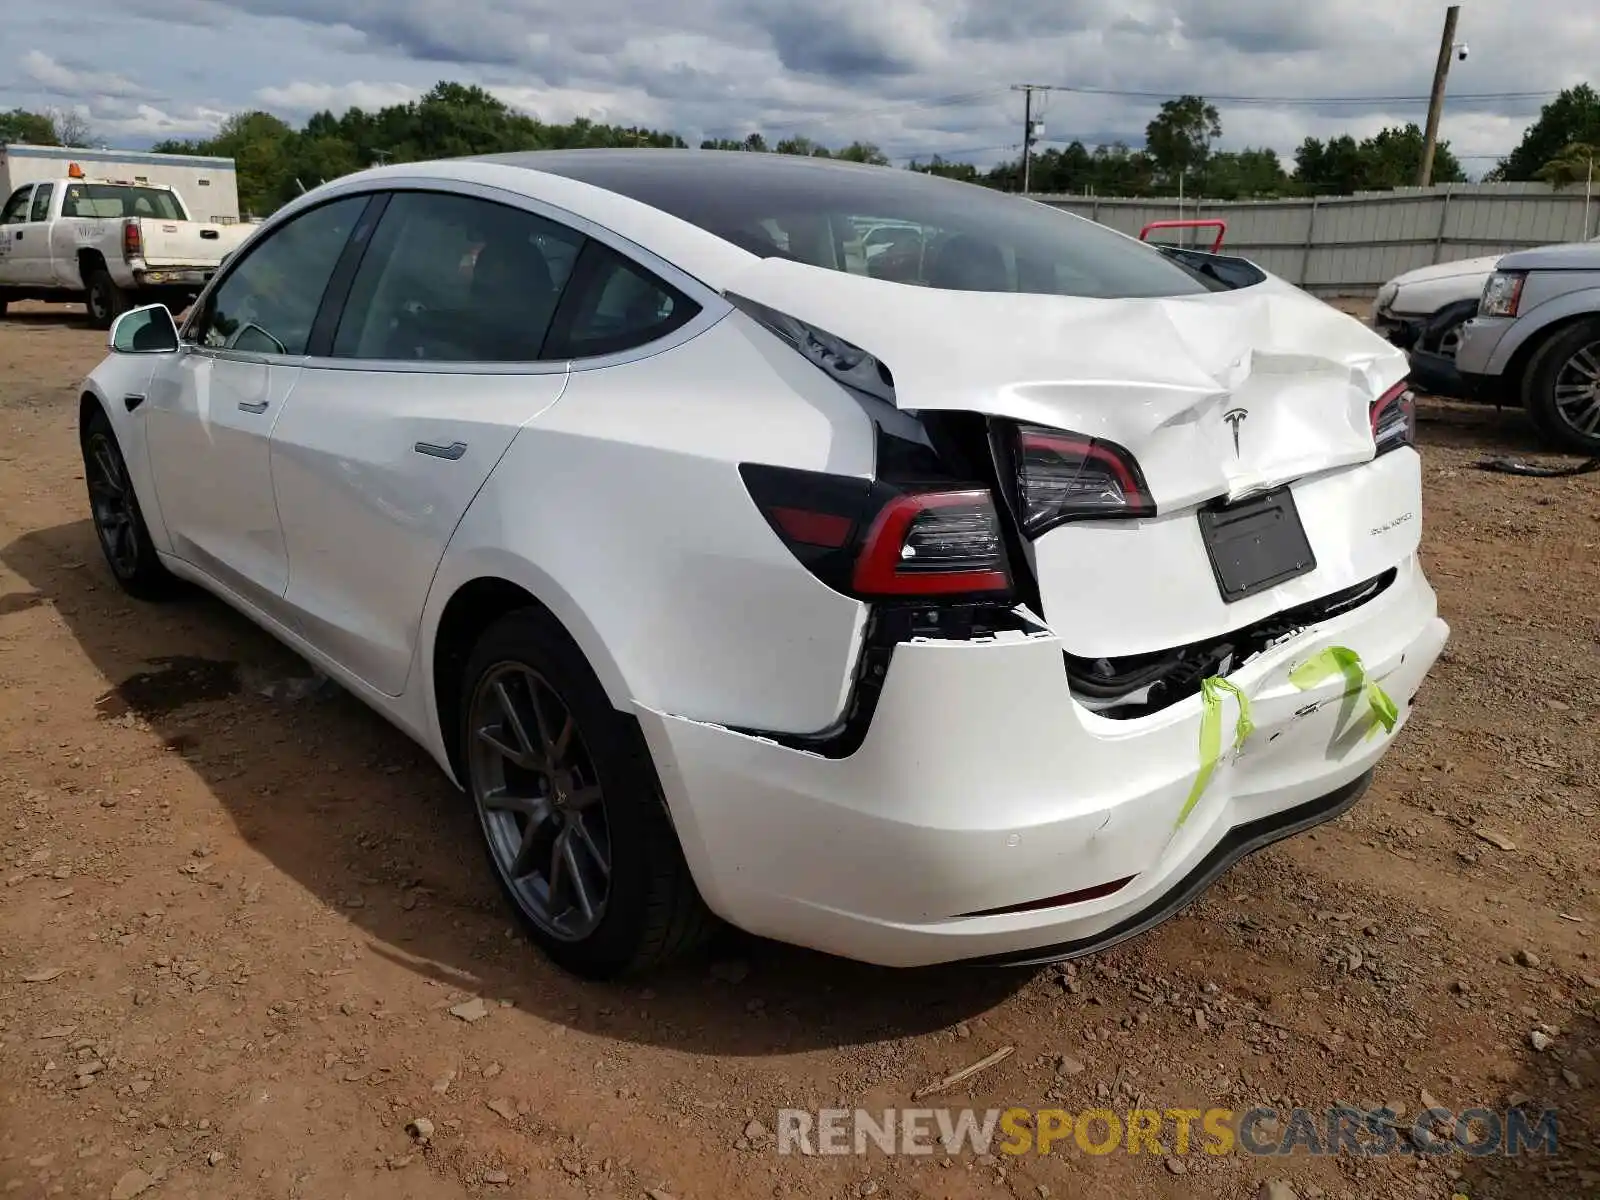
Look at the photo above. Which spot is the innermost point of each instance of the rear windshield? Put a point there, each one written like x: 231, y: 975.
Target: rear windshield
x: 890, y: 224
x: 120, y: 200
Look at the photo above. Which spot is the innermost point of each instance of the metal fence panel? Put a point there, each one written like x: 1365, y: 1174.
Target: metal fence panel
x: 1351, y: 245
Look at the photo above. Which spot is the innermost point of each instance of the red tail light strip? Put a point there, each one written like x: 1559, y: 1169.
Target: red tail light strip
x: 880, y: 569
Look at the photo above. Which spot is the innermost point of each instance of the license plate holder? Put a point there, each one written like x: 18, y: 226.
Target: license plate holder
x: 1256, y: 544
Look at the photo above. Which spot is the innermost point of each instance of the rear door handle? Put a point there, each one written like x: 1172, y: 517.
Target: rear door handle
x: 453, y: 451
x: 260, y: 406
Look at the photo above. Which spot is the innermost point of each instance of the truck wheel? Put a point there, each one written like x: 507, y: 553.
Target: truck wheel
x: 105, y: 301
x: 1561, y: 389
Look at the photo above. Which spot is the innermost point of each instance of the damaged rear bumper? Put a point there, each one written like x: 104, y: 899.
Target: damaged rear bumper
x: 983, y: 791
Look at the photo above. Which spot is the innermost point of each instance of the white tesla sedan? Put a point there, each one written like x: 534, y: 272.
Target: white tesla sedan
x: 981, y: 598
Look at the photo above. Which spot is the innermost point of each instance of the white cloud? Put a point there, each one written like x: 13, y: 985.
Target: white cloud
x: 915, y: 76
x: 303, y: 97
x: 58, y: 79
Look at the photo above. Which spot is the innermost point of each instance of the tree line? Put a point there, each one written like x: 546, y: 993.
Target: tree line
x: 277, y: 161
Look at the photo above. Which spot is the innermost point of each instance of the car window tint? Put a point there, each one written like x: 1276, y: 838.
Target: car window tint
x: 268, y: 302
x: 41, y: 202
x: 16, y: 209
x: 452, y: 278
x: 616, y: 305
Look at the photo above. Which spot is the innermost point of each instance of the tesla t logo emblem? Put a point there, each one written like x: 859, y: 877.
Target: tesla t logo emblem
x: 1235, y: 417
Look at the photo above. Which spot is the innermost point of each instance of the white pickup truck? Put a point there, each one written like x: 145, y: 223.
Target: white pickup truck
x: 110, y: 243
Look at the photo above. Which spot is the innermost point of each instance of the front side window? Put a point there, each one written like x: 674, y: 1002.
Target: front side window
x: 452, y: 278
x: 41, y: 202
x: 267, y: 303
x: 16, y: 210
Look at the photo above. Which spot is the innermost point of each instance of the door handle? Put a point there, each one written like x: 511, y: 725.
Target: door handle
x: 260, y: 406
x: 453, y: 451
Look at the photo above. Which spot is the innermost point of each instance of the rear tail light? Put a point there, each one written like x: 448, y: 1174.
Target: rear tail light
x: 1064, y: 476
x: 879, y: 540
x: 934, y: 543
x: 132, y: 240
x: 1394, y: 419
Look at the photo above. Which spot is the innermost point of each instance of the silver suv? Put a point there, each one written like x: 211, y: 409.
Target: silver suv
x: 1535, y: 341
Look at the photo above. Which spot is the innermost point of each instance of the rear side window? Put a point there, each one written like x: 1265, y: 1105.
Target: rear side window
x: 267, y: 303
x: 16, y: 209
x: 452, y: 278
x: 614, y: 305
x: 41, y: 202
x: 121, y: 200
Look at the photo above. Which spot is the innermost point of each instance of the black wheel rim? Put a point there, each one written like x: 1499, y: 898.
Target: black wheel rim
x: 111, y: 501
x: 539, y: 800
x: 1578, y: 391
x: 99, y: 304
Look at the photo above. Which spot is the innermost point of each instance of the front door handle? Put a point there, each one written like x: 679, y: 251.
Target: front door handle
x: 453, y: 451
x: 260, y: 406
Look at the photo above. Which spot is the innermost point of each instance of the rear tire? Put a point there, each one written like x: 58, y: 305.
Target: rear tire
x: 598, y: 817
x: 118, y: 522
x: 1561, y: 389
x: 105, y: 301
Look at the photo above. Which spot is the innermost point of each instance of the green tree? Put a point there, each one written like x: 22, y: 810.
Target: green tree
x: 803, y: 146
x: 1573, y: 116
x: 34, y: 129
x: 863, y: 152
x: 1575, y: 164
x: 965, y: 172
x: 1231, y: 175
x: 1392, y: 157
x: 1178, y: 139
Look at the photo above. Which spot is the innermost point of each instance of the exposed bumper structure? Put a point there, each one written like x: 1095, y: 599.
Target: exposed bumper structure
x: 982, y: 785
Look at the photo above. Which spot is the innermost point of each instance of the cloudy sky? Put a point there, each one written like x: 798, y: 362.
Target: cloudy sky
x: 915, y: 76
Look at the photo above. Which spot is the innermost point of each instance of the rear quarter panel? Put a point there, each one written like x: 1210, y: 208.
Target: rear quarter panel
x: 623, y: 511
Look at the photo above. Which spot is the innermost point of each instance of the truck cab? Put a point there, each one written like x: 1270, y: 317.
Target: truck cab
x: 111, y: 243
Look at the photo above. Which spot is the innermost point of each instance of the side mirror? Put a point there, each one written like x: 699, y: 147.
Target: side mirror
x: 147, y: 330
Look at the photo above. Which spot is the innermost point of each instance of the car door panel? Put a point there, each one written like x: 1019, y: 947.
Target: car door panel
x: 208, y: 423
x: 211, y: 409
x: 431, y: 369
x: 371, y: 484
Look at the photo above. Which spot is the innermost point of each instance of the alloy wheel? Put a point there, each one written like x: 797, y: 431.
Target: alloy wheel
x: 111, y: 501
x: 1577, y: 391
x: 540, y: 802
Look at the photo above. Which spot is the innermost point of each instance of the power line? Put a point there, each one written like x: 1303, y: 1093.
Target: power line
x: 1289, y: 100
x: 895, y: 108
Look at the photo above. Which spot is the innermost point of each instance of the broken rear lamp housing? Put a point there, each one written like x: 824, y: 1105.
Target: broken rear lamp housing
x: 1064, y: 476
x: 934, y: 544
x: 1394, y: 419
x: 873, y: 539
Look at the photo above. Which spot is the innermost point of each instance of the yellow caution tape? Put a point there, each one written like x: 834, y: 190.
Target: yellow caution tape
x: 1340, y: 660
x: 1211, y: 735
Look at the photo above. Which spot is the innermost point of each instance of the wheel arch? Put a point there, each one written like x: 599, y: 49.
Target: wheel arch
x: 459, y: 612
x: 88, y: 259
x: 1534, y: 329
x: 89, y: 405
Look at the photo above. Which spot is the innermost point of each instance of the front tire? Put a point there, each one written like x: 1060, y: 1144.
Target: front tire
x: 105, y: 301
x: 118, y: 521
x: 572, y: 814
x: 1561, y: 389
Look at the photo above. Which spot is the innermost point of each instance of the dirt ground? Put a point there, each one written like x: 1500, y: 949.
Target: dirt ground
x: 236, y: 910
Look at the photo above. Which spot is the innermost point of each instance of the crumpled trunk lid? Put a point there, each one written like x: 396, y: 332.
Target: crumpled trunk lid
x: 1219, y: 396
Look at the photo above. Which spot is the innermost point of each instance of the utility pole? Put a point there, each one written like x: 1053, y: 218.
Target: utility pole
x: 1441, y: 72
x: 1029, y: 132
